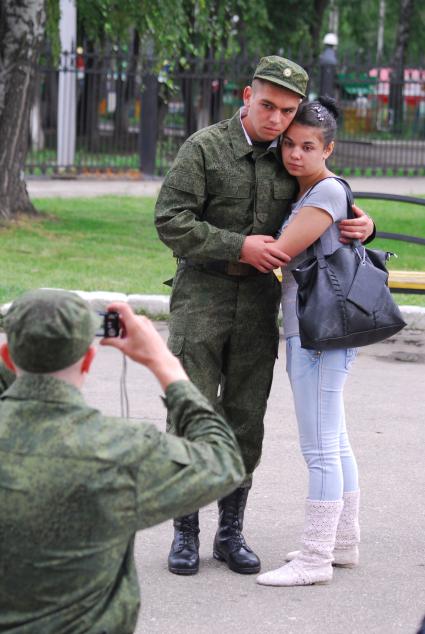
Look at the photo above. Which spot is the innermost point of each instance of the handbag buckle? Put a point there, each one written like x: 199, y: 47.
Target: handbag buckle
x: 362, y: 257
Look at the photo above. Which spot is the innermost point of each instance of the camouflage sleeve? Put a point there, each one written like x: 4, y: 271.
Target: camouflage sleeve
x: 371, y: 237
x: 6, y: 378
x: 178, y: 211
x: 179, y: 475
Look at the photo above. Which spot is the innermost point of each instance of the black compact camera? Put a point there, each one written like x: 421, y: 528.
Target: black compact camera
x: 110, y: 324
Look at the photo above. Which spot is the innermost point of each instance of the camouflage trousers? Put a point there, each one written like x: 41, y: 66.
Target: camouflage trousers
x: 224, y: 330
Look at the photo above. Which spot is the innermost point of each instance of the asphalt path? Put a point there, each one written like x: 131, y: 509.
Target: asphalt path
x: 92, y: 187
x: 385, y: 594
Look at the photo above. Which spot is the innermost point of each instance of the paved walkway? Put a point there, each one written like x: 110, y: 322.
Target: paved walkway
x: 84, y: 187
x: 90, y: 188
x: 385, y: 594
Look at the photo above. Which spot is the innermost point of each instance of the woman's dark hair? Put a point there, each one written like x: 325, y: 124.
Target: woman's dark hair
x: 321, y: 113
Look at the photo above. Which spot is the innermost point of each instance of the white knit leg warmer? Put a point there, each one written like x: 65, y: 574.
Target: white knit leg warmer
x: 346, y: 551
x: 313, y: 564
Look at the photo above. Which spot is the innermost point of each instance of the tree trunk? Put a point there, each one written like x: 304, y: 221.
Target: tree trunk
x: 36, y: 120
x: 126, y: 90
x: 381, y: 31
x: 23, y: 24
x: 89, y: 99
x: 187, y: 84
x: 315, y: 27
x: 121, y: 119
x: 396, y: 101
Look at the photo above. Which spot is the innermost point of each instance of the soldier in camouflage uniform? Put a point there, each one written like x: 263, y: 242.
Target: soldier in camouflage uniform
x: 221, y: 203
x: 75, y: 486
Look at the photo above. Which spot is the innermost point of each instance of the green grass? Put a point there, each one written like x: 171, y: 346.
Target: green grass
x: 398, y: 217
x: 111, y: 244
x: 406, y: 218
x: 410, y: 299
x: 105, y: 244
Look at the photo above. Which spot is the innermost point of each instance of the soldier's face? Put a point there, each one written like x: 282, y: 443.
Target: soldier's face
x: 270, y: 110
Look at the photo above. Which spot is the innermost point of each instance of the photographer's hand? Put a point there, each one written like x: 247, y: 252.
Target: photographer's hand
x: 141, y: 342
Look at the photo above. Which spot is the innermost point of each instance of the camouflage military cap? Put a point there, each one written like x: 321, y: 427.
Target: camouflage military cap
x: 282, y: 72
x: 48, y: 330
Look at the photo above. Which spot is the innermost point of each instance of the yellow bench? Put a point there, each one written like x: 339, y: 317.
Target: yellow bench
x: 398, y: 281
x: 407, y: 281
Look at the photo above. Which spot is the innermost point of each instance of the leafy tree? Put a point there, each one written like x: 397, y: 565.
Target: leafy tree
x: 294, y: 29
x: 359, y: 27
x: 182, y: 27
x: 193, y: 33
x: 22, y: 24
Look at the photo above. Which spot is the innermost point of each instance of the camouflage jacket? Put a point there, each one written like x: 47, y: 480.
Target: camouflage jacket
x: 215, y: 194
x: 75, y: 486
x: 6, y: 377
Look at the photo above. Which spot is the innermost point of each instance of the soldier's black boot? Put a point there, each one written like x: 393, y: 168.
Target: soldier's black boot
x: 184, y: 554
x: 229, y: 543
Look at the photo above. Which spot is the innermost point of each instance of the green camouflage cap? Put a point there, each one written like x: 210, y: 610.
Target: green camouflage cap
x: 282, y: 72
x: 48, y: 330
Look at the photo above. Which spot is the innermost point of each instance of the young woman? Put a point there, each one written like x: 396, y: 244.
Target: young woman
x: 331, y: 531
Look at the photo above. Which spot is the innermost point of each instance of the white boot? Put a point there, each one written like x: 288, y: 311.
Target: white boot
x: 346, y: 551
x: 314, y: 562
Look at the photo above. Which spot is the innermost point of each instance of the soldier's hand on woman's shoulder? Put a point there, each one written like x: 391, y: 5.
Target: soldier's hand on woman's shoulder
x: 358, y: 228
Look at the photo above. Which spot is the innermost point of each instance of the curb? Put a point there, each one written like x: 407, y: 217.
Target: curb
x: 414, y: 316
x: 155, y: 306
x: 158, y: 306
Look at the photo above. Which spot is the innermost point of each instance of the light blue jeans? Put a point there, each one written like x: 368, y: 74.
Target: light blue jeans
x: 317, y: 381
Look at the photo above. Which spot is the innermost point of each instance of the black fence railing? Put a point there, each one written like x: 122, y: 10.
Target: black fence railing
x: 394, y: 198
x: 129, y: 114
x: 408, y: 282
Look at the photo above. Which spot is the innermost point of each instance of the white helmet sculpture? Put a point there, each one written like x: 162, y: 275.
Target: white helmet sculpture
x: 330, y: 39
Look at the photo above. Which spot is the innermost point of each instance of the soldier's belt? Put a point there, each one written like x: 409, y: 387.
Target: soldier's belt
x: 238, y: 269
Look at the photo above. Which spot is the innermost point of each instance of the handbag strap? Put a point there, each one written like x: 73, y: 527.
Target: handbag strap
x: 346, y: 186
x: 316, y: 248
x: 349, y: 194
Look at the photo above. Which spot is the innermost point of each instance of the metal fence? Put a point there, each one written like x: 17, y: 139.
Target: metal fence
x: 383, y: 120
x: 103, y: 95
x: 130, y: 114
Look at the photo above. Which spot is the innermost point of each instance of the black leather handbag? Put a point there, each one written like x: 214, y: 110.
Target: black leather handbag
x: 343, y: 299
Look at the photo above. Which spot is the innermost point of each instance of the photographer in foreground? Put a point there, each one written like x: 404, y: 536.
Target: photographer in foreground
x: 75, y: 485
